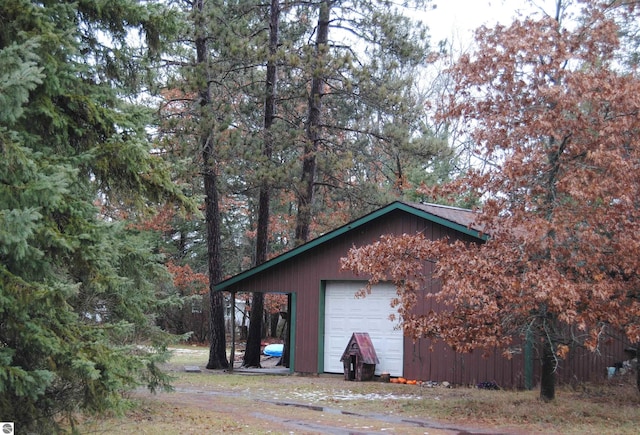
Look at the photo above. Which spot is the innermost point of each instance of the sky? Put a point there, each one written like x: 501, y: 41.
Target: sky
x: 455, y: 20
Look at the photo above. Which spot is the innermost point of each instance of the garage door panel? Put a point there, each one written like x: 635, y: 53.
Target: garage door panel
x: 345, y: 314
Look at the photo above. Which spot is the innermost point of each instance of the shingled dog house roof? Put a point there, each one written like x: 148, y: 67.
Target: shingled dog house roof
x: 365, y: 348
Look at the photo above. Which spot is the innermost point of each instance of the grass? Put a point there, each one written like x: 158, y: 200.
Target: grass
x: 572, y: 412
x: 156, y: 418
x: 605, y: 409
x: 221, y: 400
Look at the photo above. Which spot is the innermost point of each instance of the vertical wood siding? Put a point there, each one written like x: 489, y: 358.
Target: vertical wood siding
x: 424, y: 360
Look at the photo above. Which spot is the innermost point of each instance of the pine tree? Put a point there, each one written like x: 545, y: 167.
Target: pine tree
x: 367, y: 136
x: 78, y: 286
x: 351, y: 95
x: 254, y: 338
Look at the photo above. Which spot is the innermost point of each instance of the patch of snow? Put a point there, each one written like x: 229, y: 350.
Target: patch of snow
x: 188, y: 351
x: 316, y: 396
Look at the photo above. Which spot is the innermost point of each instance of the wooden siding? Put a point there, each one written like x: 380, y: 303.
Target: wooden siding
x: 304, y: 273
x: 585, y: 366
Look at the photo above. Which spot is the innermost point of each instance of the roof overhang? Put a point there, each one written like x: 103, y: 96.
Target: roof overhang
x: 406, y: 207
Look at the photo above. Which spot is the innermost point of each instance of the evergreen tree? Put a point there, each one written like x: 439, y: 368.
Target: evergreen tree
x: 364, y: 116
x: 351, y: 96
x: 78, y: 286
x: 254, y: 339
x: 217, y: 354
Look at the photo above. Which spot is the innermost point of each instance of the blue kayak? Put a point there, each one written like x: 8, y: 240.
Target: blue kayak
x: 273, y: 349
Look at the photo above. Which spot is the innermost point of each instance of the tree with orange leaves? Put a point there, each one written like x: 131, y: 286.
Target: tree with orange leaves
x: 548, y: 107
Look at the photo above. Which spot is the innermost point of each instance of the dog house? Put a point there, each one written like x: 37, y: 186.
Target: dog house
x: 359, y: 358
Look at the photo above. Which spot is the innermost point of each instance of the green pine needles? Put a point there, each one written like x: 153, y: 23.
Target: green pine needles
x: 80, y: 285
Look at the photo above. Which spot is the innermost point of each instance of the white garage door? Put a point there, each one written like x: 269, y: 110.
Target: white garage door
x: 344, y: 315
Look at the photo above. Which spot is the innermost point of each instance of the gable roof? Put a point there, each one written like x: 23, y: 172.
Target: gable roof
x: 459, y: 219
x: 364, y: 347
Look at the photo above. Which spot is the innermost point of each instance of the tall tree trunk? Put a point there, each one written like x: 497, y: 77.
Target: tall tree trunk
x: 273, y: 324
x: 217, y: 349
x: 548, y: 375
x: 254, y: 338
x: 637, y: 366
x: 252, y: 352
x: 549, y: 359
x: 305, y: 195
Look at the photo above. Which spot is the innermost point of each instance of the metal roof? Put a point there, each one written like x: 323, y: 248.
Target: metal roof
x: 459, y: 219
x: 455, y: 215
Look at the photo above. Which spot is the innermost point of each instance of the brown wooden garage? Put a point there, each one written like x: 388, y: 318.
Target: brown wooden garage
x: 310, y: 273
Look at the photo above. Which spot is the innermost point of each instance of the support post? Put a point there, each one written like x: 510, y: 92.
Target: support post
x: 233, y: 331
x: 528, y: 360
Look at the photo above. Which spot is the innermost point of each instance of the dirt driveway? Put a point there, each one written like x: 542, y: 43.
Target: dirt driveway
x: 265, y: 401
x: 256, y: 413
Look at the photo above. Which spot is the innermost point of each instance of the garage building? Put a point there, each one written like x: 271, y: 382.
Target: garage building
x: 324, y: 312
